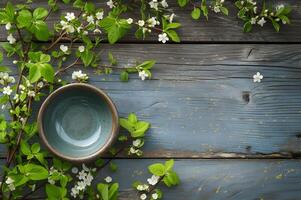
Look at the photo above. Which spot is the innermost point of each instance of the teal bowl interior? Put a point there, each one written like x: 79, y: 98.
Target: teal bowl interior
x: 77, y: 122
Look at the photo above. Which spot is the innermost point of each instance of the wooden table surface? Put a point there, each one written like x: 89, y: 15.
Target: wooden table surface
x: 231, y: 138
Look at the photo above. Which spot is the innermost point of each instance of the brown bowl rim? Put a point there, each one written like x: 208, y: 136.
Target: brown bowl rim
x: 115, y: 122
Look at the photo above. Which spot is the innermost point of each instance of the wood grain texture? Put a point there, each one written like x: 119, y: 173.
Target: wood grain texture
x: 219, y: 28
x: 202, y: 101
x: 214, y: 179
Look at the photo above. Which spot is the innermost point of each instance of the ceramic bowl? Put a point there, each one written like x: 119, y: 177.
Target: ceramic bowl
x: 78, y: 122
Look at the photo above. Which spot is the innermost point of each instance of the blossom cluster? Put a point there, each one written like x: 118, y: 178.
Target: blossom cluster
x: 144, y: 189
x: 135, y: 147
x: 85, y: 178
x: 218, y: 5
x: 10, y: 183
x: 79, y: 76
x: 5, y: 79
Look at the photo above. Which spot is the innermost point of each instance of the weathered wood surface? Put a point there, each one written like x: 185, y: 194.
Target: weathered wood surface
x: 215, y: 179
x: 202, y: 101
x: 219, y: 28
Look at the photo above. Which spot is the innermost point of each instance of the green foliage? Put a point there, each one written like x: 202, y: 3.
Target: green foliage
x: 108, y: 191
x: 170, y: 177
x: 56, y: 193
x: 133, y: 126
x: 40, y: 67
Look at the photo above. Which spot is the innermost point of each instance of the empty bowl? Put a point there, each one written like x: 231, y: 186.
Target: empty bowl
x: 78, y: 122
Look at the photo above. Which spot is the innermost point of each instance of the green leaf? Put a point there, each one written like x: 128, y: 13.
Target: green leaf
x: 124, y: 76
x: 1, y: 56
x: 172, y: 26
x: 204, y: 8
x: 113, y: 191
x: 224, y: 10
x: 47, y: 72
x: 24, y: 19
x: 35, y: 172
x: 34, y: 73
x: 196, y: 13
x: 87, y: 57
x: 140, y: 128
x: 113, y: 167
x: 40, y: 13
x: 173, y: 35
x: 112, y: 60
x: 182, y: 3
x: 55, y: 193
x: 4, y: 69
x: 124, y: 123
x: 171, y: 179
x: 25, y: 148
x: 275, y: 25
x: 169, y: 164
x: 35, y: 148
x: 41, y: 31
x: 147, y: 64
x: 132, y: 118
x: 247, y: 27
x: 157, y: 169
x: 104, y: 190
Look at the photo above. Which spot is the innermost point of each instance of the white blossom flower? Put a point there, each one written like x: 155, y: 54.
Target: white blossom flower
x: 133, y: 150
x: 11, y: 79
x: 164, y: 4
x: 171, y: 17
x: 22, y: 87
x: 255, y: 9
x: 110, y: 3
x: 7, y: 90
x: 15, y: 62
x: 70, y: 16
x: 88, y: 179
x: 153, y: 180
x: 279, y: 7
x: 51, y: 181
x: 74, y: 170
x: 152, y: 22
x: 141, y: 23
x: 11, y: 39
x: 31, y: 93
x: 155, y: 196
x: 10, y: 183
x: 143, y: 75
x: 261, y: 22
x: 154, y: 4
x: 8, y: 26
x: 216, y: 9
x: 3, y: 107
x: 81, y: 185
x: 63, y: 48
x: 143, y: 196
x: 97, y: 31
x: 129, y: 20
x: 81, y: 49
x: 90, y: 19
x: 33, y: 187
x: 99, y: 15
x: 108, y: 179
x: 85, y: 168
x: 74, y: 192
x: 136, y: 143
x: 82, y: 175
x: 163, y: 38
x: 40, y: 84
x: 85, y: 33
x: 257, y: 77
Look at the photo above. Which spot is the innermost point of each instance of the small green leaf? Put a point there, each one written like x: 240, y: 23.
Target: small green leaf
x: 87, y: 57
x: 275, y: 25
x: 40, y: 13
x: 40, y: 30
x: 24, y: 19
x: 247, y: 27
x: 35, y: 172
x: 124, y: 76
x: 113, y: 167
x: 224, y: 10
x: 140, y: 128
x: 35, y: 148
x: 25, y: 148
x: 104, y: 190
x: 132, y: 118
x: 34, y: 73
x: 157, y: 169
x: 4, y: 69
x: 47, y: 72
x: 182, y: 3
x: 113, y: 191
x: 196, y: 13
x: 169, y: 164
x: 124, y: 123
x: 173, y: 35
x: 112, y: 60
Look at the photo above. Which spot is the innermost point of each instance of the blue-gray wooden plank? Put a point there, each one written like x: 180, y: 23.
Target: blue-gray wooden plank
x: 218, y: 28
x: 197, y: 102
x: 214, y: 179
